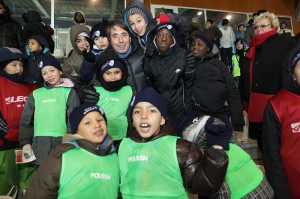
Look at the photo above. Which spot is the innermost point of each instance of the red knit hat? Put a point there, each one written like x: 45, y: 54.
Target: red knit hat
x: 163, y: 18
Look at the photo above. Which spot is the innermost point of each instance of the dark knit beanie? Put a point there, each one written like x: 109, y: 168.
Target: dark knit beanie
x: 49, y: 60
x: 136, y: 10
x: 111, y: 64
x: 98, y: 30
x: 149, y: 95
x: 294, y: 59
x: 204, y: 37
x: 225, y: 22
x: 169, y: 26
x: 80, y: 111
x: 8, y: 55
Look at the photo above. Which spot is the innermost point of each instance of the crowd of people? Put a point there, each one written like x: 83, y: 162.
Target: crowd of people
x: 148, y: 107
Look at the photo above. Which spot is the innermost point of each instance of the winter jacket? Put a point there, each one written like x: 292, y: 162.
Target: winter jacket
x: 35, y: 26
x: 212, y: 87
x: 165, y: 72
x: 150, y: 26
x: 72, y: 65
x: 266, y: 73
x: 215, y: 34
x: 27, y: 134
x: 228, y: 37
x: 280, y: 133
x: 202, y: 172
x: 32, y: 74
x: 45, y: 183
x: 13, y: 97
x: 10, y: 32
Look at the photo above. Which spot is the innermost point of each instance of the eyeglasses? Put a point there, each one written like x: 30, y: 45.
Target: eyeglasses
x: 261, y: 26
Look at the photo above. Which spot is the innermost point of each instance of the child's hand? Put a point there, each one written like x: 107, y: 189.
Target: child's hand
x: 27, y: 151
x: 218, y: 132
x: 89, y: 56
x: 88, y: 94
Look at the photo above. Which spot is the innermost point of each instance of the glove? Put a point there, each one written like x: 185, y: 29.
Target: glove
x: 3, y: 127
x: 89, y: 56
x: 190, y: 59
x: 218, y: 132
x: 88, y: 94
x: 27, y: 151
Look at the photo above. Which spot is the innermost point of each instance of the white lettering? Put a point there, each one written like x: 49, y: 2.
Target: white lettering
x: 15, y: 99
x: 48, y: 100
x: 102, y: 176
x: 140, y: 158
x: 296, y: 127
x: 114, y: 99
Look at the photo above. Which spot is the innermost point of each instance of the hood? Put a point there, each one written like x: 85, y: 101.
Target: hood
x: 74, y: 32
x: 32, y: 17
x: 139, y: 4
x: 41, y: 40
x: 288, y: 81
x: 82, y: 15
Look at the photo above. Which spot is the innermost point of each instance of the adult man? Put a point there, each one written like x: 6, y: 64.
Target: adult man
x: 9, y: 29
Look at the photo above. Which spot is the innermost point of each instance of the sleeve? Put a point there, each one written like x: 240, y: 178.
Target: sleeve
x: 26, y: 123
x: 271, y: 137
x: 20, y: 43
x: 45, y: 182
x: 88, y: 70
x: 188, y: 82
x: 73, y: 101
x: 234, y: 102
x: 202, y: 172
x: 147, y: 71
x: 244, y: 82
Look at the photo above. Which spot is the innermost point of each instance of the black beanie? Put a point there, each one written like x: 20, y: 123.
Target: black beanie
x: 98, y: 30
x: 169, y: 26
x: 8, y: 55
x: 204, y: 37
x: 225, y: 22
x: 80, y: 111
x: 49, y: 60
x: 153, y: 97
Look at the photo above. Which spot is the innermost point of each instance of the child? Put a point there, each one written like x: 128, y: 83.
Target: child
x: 167, y: 74
x: 100, y: 42
x: 139, y: 21
x: 115, y: 96
x: 13, y: 95
x: 243, y: 177
x: 84, y: 166
x: 80, y: 36
x: 47, y: 107
x: 154, y: 164
x: 36, y: 49
x: 239, y: 53
x: 280, y: 133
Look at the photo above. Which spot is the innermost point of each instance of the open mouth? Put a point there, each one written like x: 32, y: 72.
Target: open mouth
x: 145, y: 127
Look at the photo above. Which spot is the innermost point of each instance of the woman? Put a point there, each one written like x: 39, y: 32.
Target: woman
x: 261, y: 69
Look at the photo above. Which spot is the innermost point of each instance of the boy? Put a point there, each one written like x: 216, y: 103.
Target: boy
x: 155, y: 164
x: 47, y: 106
x: 13, y: 95
x: 239, y: 53
x: 115, y: 97
x: 99, y: 37
x: 84, y: 166
x: 36, y: 49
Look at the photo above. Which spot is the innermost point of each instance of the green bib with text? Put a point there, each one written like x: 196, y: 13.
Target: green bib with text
x: 150, y: 170
x: 50, y: 111
x: 115, y: 105
x: 86, y: 175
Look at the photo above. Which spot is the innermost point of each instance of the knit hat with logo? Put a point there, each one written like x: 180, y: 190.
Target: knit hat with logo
x: 49, y: 60
x: 80, y: 111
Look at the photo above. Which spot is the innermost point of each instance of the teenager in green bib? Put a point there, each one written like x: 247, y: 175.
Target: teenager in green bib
x: 243, y: 177
x: 85, y: 165
x: 44, y: 118
x: 156, y: 164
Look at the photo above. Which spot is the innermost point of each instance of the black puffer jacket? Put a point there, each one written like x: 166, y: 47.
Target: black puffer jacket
x: 203, y: 172
x: 35, y: 26
x: 10, y: 32
x: 212, y: 87
x: 165, y: 72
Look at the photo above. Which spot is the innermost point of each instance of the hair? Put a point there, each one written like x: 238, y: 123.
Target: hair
x: 268, y: 15
x: 118, y: 23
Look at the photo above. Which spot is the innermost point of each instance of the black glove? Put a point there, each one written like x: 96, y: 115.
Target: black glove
x: 218, y: 132
x: 190, y: 59
x: 3, y: 127
x: 89, y: 56
x: 88, y: 94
